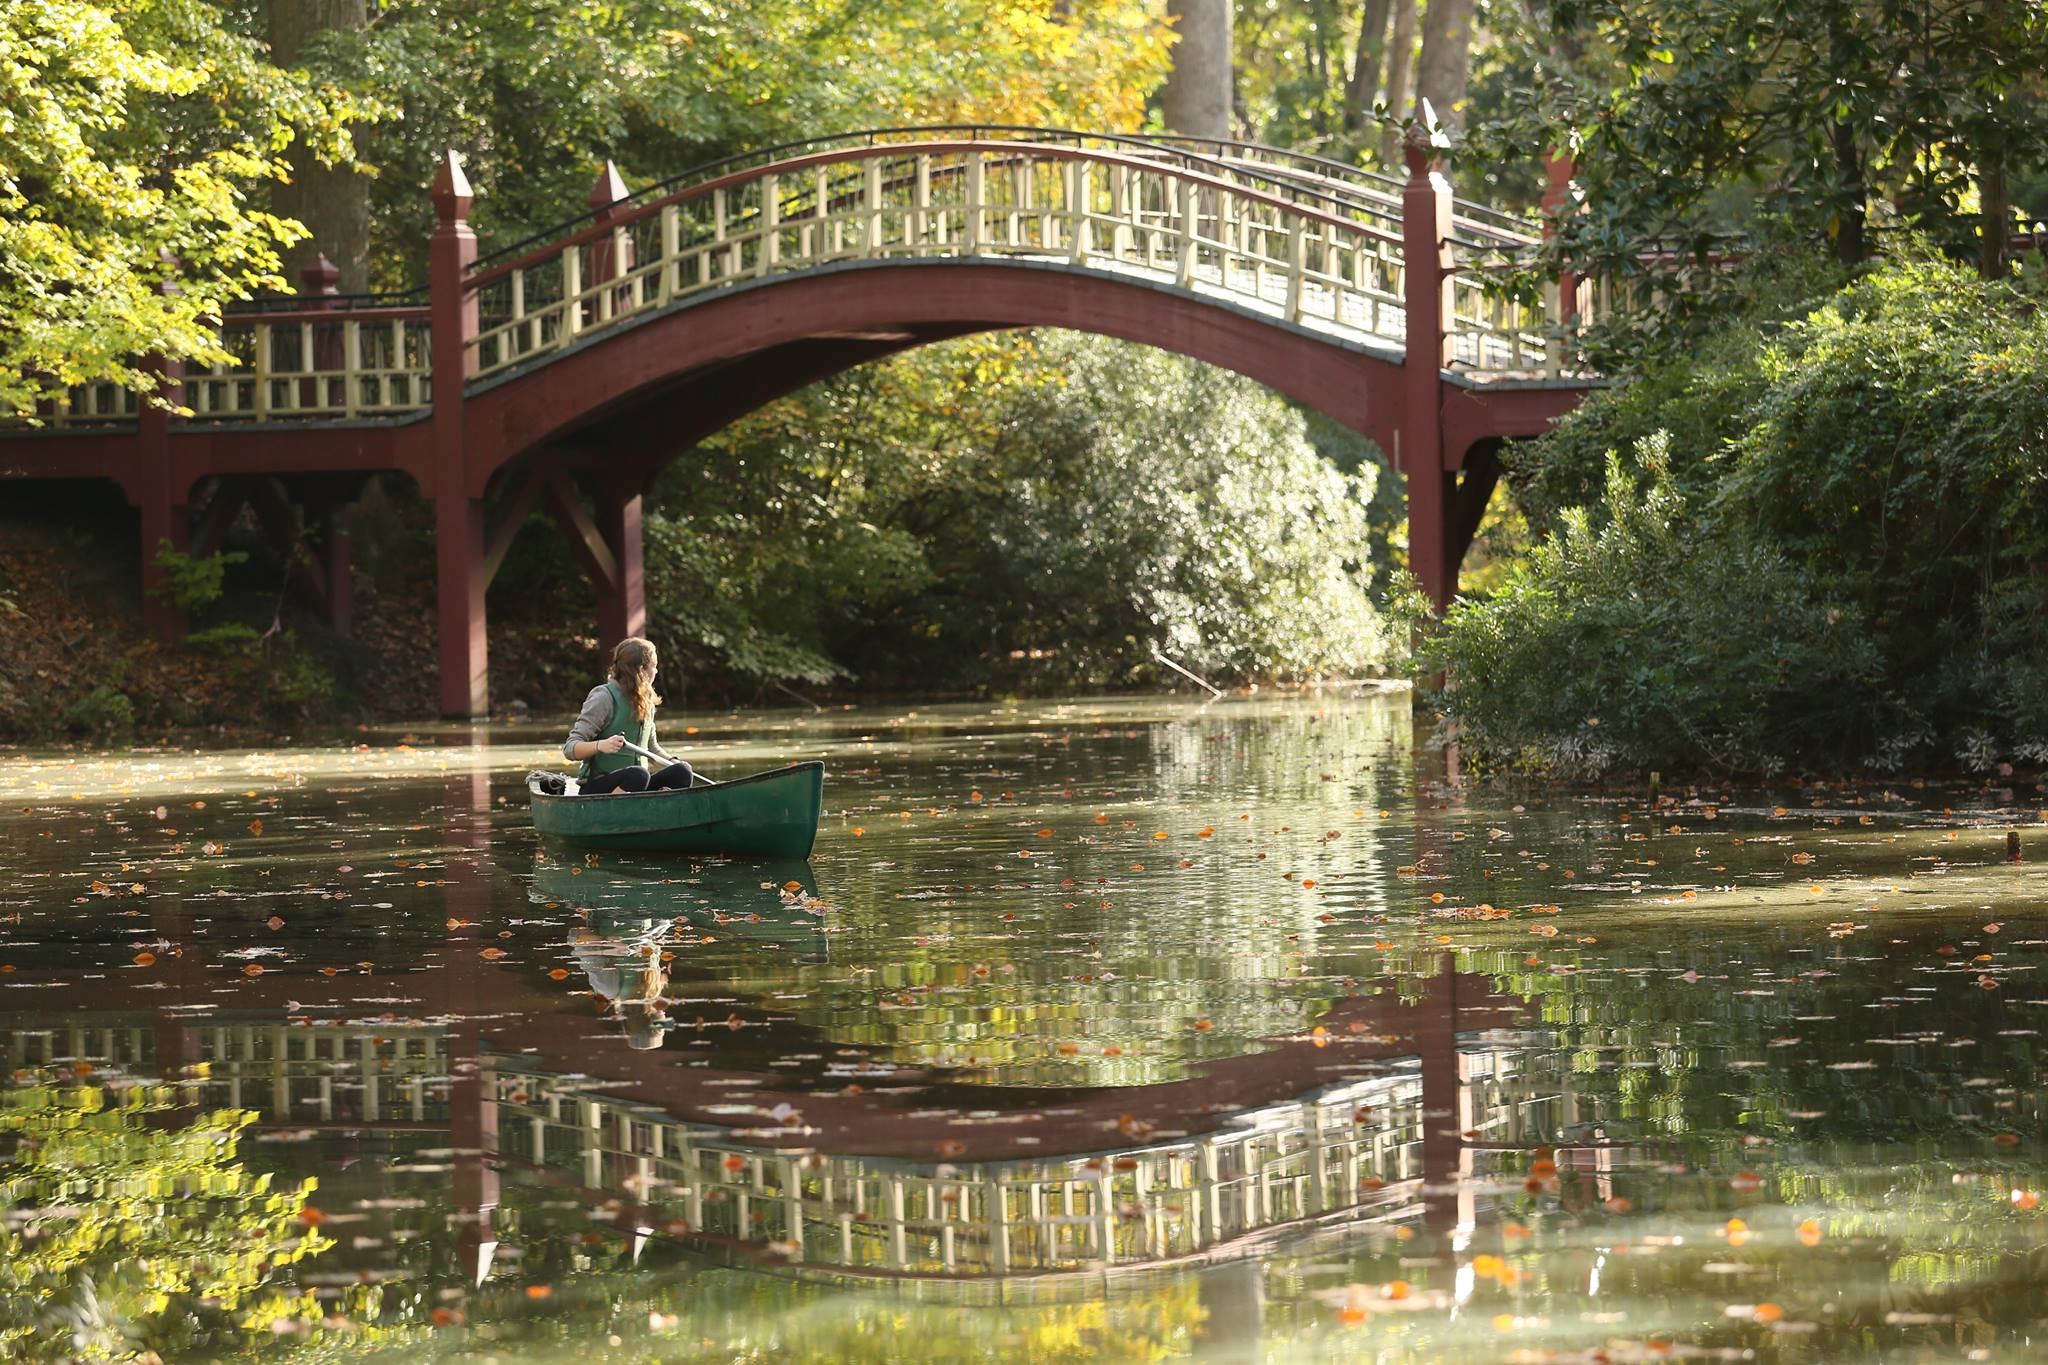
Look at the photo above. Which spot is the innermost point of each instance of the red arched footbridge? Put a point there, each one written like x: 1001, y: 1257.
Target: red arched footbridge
x: 565, y: 372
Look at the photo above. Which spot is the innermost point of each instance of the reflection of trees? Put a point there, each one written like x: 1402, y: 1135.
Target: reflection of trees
x: 1092, y: 961
x: 123, y: 1239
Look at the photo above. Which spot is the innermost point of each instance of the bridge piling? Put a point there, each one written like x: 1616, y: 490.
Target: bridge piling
x: 1426, y: 217
x: 459, y: 532
x: 153, y: 489
x: 1558, y: 169
x: 621, y: 604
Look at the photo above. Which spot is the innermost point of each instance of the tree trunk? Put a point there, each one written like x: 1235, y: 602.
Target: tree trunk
x: 1364, y: 84
x: 332, y: 201
x: 1400, y: 61
x: 1848, y: 225
x: 1995, y: 193
x: 1446, y: 59
x: 1197, y: 98
x: 1851, y: 246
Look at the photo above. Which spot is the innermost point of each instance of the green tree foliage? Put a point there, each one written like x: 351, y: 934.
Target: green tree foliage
x: 123, y: 1241
x: 131, y: 135
x: 923, y: 520
x: 1831, y: 121
x: 1847, y: 542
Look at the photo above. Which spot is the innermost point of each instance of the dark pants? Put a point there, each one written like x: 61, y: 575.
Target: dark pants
x: 635, y: 779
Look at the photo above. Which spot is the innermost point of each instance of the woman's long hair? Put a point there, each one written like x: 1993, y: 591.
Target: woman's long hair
x: 633, y: 670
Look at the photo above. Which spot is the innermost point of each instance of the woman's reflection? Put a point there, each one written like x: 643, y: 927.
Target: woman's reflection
x: 622, y: 956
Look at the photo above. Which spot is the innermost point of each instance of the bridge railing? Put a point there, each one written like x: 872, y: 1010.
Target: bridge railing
x: 1304, y: 240
x: 1370, y: 196
x: 286, y: 366
x: 955, y: 200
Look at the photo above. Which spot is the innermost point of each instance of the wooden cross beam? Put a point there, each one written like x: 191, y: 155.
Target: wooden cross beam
x: 584, y: 538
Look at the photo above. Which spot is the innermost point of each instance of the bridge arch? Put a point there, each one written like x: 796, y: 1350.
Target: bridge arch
x: 682, y: 375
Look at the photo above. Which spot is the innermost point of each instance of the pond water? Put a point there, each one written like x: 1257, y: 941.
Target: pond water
x: 1118, y: 1030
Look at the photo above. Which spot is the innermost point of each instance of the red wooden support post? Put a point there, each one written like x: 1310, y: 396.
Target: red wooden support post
x: 158, y: 496
x: 612, y: 255
x: 319, y: 293
x: 1426, y: 273
x: 622, y: 606
x: 1559, y: 168
x: 458, y: 517
x: 337, y: 568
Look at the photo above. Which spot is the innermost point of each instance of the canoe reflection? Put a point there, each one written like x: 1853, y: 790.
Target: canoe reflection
x: 629, y: 898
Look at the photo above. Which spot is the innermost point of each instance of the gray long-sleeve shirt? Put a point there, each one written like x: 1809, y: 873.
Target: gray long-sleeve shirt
x: 590, y: 723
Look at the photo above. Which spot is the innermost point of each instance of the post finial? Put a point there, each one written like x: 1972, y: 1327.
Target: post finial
x: 609, y: 189
x: 451, y: 189
x: 320, y: 277
x: 1425, y: 141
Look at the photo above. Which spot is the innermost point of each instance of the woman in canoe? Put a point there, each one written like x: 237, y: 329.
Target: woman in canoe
x: 620, y: 711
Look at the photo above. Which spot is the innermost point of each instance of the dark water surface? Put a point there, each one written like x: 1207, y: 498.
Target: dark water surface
x: 1119, y: 1030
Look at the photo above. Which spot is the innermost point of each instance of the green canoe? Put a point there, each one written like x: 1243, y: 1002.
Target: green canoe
x: 769, y: 815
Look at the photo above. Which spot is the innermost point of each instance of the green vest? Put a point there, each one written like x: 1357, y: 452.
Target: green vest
x: 623, y: 722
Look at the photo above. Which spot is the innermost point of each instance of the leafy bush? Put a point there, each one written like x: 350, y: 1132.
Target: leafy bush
x: 1861, y: 498
x: 1695, y: 384
x: 226, y: 640
x: 1169, y: 506
x: 294, y: 683
x: 103, y: 713
x: 1627, y: 641
x: 191, y: 582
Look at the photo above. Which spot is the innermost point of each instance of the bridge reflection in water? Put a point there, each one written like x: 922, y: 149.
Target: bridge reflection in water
x: 826, y: 1188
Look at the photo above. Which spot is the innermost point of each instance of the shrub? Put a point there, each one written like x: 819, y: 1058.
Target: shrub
x: 1882, y: 460
x: 190, y: 582
x: 103, y: 713
x: 1173, y: 507
x: 1898, y: 448
x: 1628, y: 640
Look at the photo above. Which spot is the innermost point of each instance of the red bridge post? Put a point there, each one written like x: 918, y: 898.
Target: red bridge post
x: 611, y: 255
x: 458, y: 517
x: 158, y: 496
x: 1559, y: 168
x: 622, y: 603
x: 622, y: 599
x: 1426, y: 209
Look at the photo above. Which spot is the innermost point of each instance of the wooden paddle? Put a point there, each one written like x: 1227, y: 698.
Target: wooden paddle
x: 696, y: 779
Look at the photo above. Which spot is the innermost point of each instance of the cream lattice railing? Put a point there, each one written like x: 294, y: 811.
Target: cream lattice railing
x: 1075, y: 207
x: 358, y: 364
x: 1304, y: 241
